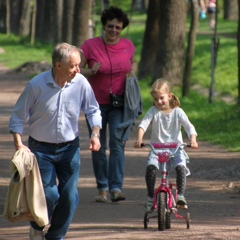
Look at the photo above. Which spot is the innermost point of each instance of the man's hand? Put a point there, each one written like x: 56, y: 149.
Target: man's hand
x: 94, y: 144
x: 18, y: 142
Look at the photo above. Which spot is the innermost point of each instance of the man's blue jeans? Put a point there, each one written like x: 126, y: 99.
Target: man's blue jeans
x: 109, y: 174
x: 58, y: 163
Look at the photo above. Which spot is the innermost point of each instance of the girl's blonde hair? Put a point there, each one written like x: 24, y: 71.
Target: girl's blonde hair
x: 163, y: 86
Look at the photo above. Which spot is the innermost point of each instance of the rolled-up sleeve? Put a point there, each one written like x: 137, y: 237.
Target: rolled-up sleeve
x: 20, y: 113
x: 90, y: 107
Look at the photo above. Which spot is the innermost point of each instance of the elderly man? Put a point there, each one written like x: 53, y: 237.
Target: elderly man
x: 51, y: 103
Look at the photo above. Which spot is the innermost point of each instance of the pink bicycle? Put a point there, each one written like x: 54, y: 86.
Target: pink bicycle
x: 164, y: 201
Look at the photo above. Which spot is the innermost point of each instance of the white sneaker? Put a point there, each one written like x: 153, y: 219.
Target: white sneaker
x: 181, y: 202
x: 36, y: 234
x: 149, y: 205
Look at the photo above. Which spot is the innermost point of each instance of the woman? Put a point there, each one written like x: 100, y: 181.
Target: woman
x: 211, y: 10
x: 109, y: 59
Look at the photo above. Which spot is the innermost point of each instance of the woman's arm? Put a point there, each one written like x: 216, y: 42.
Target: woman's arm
x: 134, y: 67
x: 86, y: 71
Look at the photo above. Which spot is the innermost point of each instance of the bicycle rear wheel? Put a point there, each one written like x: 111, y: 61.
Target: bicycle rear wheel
x: 162, y: 203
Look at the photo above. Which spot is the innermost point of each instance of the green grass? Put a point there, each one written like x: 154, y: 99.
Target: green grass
x: 226, y: 79
x: 19, y: 51
x: 218, y: 122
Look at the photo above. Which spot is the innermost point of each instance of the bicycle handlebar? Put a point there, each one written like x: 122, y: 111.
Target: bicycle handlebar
x: 155, y: 146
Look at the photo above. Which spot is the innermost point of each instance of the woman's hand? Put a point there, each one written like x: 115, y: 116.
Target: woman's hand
x: 96, y: 66
x: 132, y: 73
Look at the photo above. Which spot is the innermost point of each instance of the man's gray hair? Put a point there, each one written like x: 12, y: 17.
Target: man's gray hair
x: 62, y: 52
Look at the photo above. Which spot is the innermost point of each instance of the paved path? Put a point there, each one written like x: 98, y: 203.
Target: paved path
x: 212, y: 191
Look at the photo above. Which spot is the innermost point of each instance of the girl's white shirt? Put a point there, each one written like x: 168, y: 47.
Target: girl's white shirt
x: 167, y: 127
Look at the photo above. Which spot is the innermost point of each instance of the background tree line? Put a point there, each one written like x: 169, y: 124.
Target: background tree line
x: 73, y: 21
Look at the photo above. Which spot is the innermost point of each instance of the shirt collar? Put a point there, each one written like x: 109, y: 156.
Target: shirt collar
x: 50, y: 79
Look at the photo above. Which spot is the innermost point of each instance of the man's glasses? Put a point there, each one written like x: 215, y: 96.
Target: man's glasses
x: 111, y: 26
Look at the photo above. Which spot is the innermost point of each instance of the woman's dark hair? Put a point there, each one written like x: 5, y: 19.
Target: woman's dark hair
x: 114, y: 12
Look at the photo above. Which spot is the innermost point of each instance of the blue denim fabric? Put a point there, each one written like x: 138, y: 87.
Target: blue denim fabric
x: 62, y: 163
x: 109, y: 174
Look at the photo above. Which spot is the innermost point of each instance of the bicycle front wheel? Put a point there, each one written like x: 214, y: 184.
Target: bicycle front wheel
x: 162, y: 204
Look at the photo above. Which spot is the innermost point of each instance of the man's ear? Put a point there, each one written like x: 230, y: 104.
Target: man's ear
x: 58, y: 65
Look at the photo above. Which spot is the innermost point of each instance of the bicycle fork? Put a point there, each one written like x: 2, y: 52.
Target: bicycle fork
x: 164, y: 188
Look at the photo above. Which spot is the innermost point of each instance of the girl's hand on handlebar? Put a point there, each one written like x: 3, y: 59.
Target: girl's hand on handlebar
x: 194, y: 145
x: 137, y: 144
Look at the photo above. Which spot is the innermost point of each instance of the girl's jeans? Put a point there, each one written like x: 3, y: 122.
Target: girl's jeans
x: 58, y: 163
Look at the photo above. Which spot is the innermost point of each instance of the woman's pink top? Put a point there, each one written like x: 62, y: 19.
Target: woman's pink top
x: 120, y: 56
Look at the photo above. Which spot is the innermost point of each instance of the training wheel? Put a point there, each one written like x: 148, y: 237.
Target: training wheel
x: 146, y: 220
x: 188, y: 220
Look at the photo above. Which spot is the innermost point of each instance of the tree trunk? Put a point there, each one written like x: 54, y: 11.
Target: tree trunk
x: 25, y: 18
x: 58, y: 36
x: 105, y: 4
x: 3, y: 15
x: 170, y: 53
x: 150, y: 40
x: 46, y: 20
x: 68, y: 13
x: 81, y: 21
x: 40, y: 18
x: 51, y: 21
x: 190, y: 47
x: 238, y: 41
x: 33, y: 27
x: 8, y: 16
x: 15, y: 15
x: 231, y: 9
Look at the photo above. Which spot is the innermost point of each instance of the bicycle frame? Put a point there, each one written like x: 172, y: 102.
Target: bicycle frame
x: 165, y: 185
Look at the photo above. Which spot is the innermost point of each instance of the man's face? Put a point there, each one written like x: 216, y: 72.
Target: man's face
x: 68, y: 69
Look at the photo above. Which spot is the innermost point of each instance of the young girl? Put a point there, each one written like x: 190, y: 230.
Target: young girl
x: 167, y: 118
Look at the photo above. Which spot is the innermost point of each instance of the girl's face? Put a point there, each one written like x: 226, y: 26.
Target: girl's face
x: 161, y: 100
x: 113, y: 29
